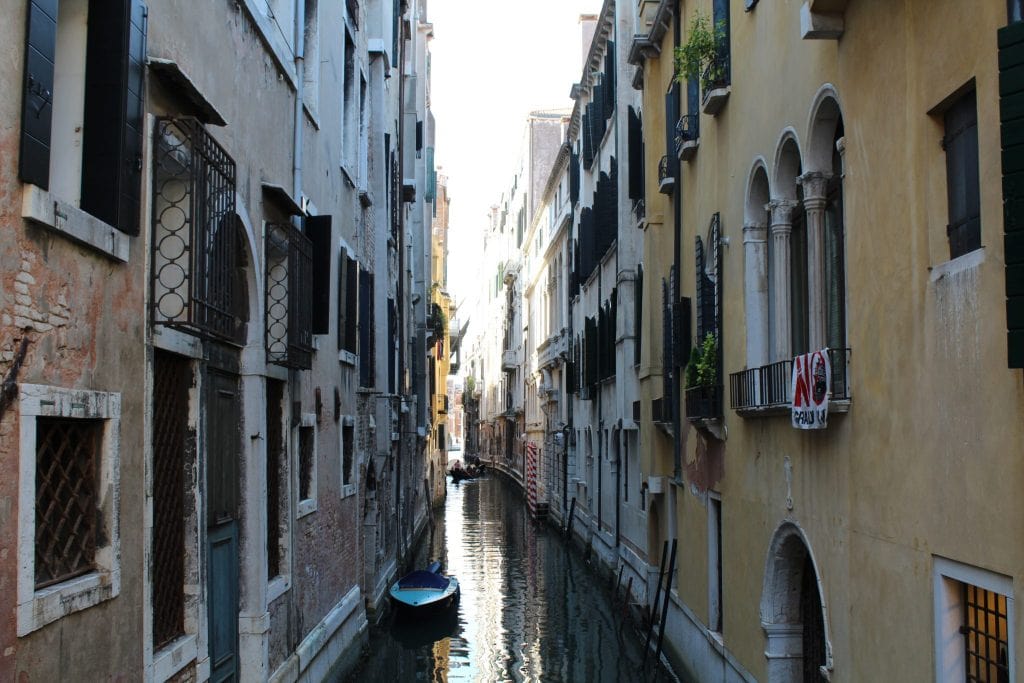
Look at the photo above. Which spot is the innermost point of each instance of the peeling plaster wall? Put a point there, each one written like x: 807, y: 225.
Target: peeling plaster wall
x: 83, y: 315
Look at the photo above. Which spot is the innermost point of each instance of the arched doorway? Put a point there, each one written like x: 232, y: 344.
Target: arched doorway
x: 792, y: 611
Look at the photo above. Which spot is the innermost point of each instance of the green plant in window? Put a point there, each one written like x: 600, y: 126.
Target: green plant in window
x: 702, y: 370
x: 699, y: 56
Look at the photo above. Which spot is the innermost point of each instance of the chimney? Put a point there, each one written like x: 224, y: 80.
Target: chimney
x: 588, y: 24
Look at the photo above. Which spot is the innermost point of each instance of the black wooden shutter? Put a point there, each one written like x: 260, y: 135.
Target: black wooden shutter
x: 1011, y: 114
x: 682, y: 337
x: 667, y: 347
x: 962, y: 187
x: 342, y: 319
x: 574, y: 178
x: 113, y: 113
x: 351, y: 306
x: 638, y: 313
x: 706, y: 318
x: 318, y: 230
x: 636, y: 156
x: 671, y: 118
x: 366, y: 336
x: 37, y: 93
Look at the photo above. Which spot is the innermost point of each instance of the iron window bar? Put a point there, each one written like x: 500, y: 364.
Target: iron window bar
x: 67, y: 509
x: 769, y: 386
x: 687, y: 130
x: 194, y: 251
x: 289, y: 304
x: 716, y: 73
x: 704, y: 403
x: 764, y: 387
x: 986, y: 635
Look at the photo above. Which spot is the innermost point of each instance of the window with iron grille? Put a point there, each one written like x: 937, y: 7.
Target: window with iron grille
x: 973, y: 609
x: 195, y: 245
x: 962, y: 188
x: 985, y: 632
x: 276, y: 475
x: 172, y: 452
x: 69, y: 450
x: 289, y: 304
x: 66, y: 501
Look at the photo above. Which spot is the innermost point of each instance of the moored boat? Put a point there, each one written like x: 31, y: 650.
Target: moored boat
x: 425, y: 588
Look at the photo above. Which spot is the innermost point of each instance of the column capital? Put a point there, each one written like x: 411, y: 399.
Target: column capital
x: 815, y: 184
x: 781, y: 211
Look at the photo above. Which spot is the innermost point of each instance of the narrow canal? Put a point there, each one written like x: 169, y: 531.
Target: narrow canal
x: 531, y: 609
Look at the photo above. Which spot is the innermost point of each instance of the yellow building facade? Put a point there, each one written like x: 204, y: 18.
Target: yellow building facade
x: 837, y: 185
x: 441, y: 312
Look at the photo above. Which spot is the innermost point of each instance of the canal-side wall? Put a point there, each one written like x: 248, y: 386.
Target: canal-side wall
x: 333, y: 646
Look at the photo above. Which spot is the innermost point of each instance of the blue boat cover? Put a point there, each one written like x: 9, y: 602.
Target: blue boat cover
x: 423, y: 579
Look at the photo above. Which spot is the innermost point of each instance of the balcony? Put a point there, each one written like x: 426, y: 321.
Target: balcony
x: 764, y: 391
x: 195, y: 259
x: 666, y: 176
x: 822, y: 19
x: 704, y: 403
x: 714, y: 83
x: 289, y: 279
x: 509, y: 362
x: 687, y: 136
x: 761, y: 390
x: 551, y: 350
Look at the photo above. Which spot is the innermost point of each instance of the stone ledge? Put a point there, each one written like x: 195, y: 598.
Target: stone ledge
x: 41, y: 208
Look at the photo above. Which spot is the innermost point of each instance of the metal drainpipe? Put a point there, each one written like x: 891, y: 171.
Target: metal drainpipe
x: 300, y: 75
x: 600, y: 414
x: 677, y: 422
x: 397, y: 197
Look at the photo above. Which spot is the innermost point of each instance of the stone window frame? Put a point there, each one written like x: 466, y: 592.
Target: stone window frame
x: 948, y: 576
x: 38, y: 607
x: 347, y: 488
x: 307, y: 505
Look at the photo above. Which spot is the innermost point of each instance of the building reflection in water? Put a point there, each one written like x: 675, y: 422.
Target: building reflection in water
x: 530, y: 610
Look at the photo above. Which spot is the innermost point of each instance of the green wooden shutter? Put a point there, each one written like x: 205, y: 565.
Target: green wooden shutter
x: 1011, y: 110
x: 37, y: 92
x: 113, y: 113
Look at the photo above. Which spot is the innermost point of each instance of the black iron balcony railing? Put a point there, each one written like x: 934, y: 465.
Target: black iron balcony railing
x: 195, y: 240
x: 666, y: 175
x: 704, y: 403
x: 687, y: 130
x: 769, y: 385
x: 716, y: 73
x: 289, y: 281
x: 763, y: 387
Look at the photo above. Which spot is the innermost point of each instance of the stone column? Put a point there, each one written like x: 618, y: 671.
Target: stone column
x: 815, y: 185
x: 781, y: 230
x: 755, y: 286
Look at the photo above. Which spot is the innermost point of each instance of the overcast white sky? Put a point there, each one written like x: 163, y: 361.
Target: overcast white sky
x: 493, y: 63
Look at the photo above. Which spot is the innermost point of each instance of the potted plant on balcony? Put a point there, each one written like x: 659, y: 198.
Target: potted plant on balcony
x: 702, y: 56
x: 702, y: 379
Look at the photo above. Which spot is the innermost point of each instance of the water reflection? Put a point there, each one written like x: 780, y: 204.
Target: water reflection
x: 530, y: 610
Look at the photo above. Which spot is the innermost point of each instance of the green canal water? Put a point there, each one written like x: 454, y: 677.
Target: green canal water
x: 531, y: 609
